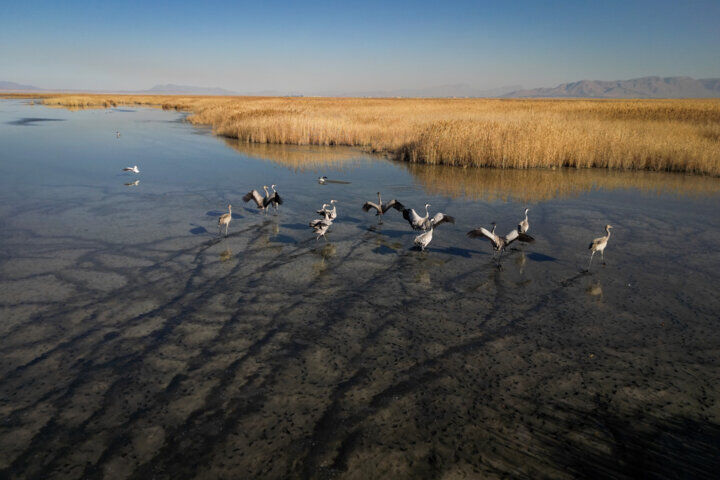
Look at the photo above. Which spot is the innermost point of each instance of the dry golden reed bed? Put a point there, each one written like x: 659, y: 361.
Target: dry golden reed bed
x: 667, y: 135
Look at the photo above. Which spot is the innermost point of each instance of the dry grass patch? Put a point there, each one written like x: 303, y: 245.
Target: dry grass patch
x: 661, y: 135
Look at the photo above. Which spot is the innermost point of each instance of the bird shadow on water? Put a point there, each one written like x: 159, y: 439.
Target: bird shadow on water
x: 199, y: 230
x: 540, y: 257
x: 31, y: 121
x: 388, y: 233
x: 458, y: 252
x: 295, y: 226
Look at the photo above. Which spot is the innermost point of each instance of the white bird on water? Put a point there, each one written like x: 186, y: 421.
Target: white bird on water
x: 321, y: 230
x: 332, y: 214
x: 499, y: 243
x: 423, y: 223
x: 275, y: 199
x: 133, y: 169
x: 260, y: 201
x: 598, y: 245
x: 325, y: 217
x: 225, y: 220
x: 424, y: 239
x: 524, y: 225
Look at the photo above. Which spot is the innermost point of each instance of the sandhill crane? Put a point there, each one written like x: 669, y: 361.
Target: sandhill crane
x: 499, y: 243
x: 332, y: 214
x: 423, y: 223
x: 321, y: 230
x: 524, y: 225
x: 133, y: 184
x: 598, y: 245
x: 225, y: 220
x: 424, y: 239
x: 133, y: 169
x: 260, y: 201
x: 325, y: 214
x: 274, y: 199
x: 381, y: 207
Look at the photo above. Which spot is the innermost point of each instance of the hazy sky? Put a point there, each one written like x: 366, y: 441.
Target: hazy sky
x: 335, y: 46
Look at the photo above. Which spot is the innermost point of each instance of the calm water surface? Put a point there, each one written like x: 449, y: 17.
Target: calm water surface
x: 136, y: 343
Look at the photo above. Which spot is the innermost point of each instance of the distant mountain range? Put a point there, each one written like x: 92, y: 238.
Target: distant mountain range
x: 441, y: 91
x: 169, y: 89
x: 172, y: 89
x: 645, y: 87
x: 12, y: 86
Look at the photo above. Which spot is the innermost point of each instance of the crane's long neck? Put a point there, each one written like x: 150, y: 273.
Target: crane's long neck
x: 607, y: 230
x: 427, y: 212
x: 379, y: 199
x: 266, y: 191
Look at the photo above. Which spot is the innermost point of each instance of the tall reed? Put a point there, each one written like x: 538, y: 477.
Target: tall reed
x: 662, y: 135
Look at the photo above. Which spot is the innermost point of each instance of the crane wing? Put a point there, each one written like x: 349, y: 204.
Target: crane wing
x: 524, y: 237
x: 511, y: 237
x: 318, y: 222
x: 484, y: 232
x: 393, y: 204
x: 254, y: 195
x: 439, y: 218
x: 412, y: 217
x: 368, y: 205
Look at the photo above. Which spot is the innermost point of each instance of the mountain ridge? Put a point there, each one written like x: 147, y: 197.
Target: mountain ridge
x: 642, y: 87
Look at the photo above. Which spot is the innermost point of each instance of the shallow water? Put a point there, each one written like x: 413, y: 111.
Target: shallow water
x: 135, y: 342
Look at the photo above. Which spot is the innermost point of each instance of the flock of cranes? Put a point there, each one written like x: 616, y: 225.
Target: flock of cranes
x: 426, y: 224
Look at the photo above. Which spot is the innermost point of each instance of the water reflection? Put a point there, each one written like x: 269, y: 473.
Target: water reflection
x: 299, y: 158
x: 544, y: 184
x: 487, y: 184
x: 594, y: 289
x: 520, y: 261
x: 326, y: 252
x: 226, y: 255
x: 132, y: 184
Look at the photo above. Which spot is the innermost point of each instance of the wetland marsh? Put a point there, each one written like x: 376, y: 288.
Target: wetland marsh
x: 136, y: 343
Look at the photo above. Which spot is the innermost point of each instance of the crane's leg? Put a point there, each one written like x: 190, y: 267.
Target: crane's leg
x: 602, y: 254
x: 226, y: 228
x: 591, y: 257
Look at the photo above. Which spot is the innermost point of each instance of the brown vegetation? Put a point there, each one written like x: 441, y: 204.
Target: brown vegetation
x: 490, y: 184
x: 662, y: 135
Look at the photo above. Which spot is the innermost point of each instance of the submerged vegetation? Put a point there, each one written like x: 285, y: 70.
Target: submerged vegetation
x: 661, y: 135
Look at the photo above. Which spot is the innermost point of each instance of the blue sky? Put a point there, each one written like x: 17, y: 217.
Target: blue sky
x: 353, y: 46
